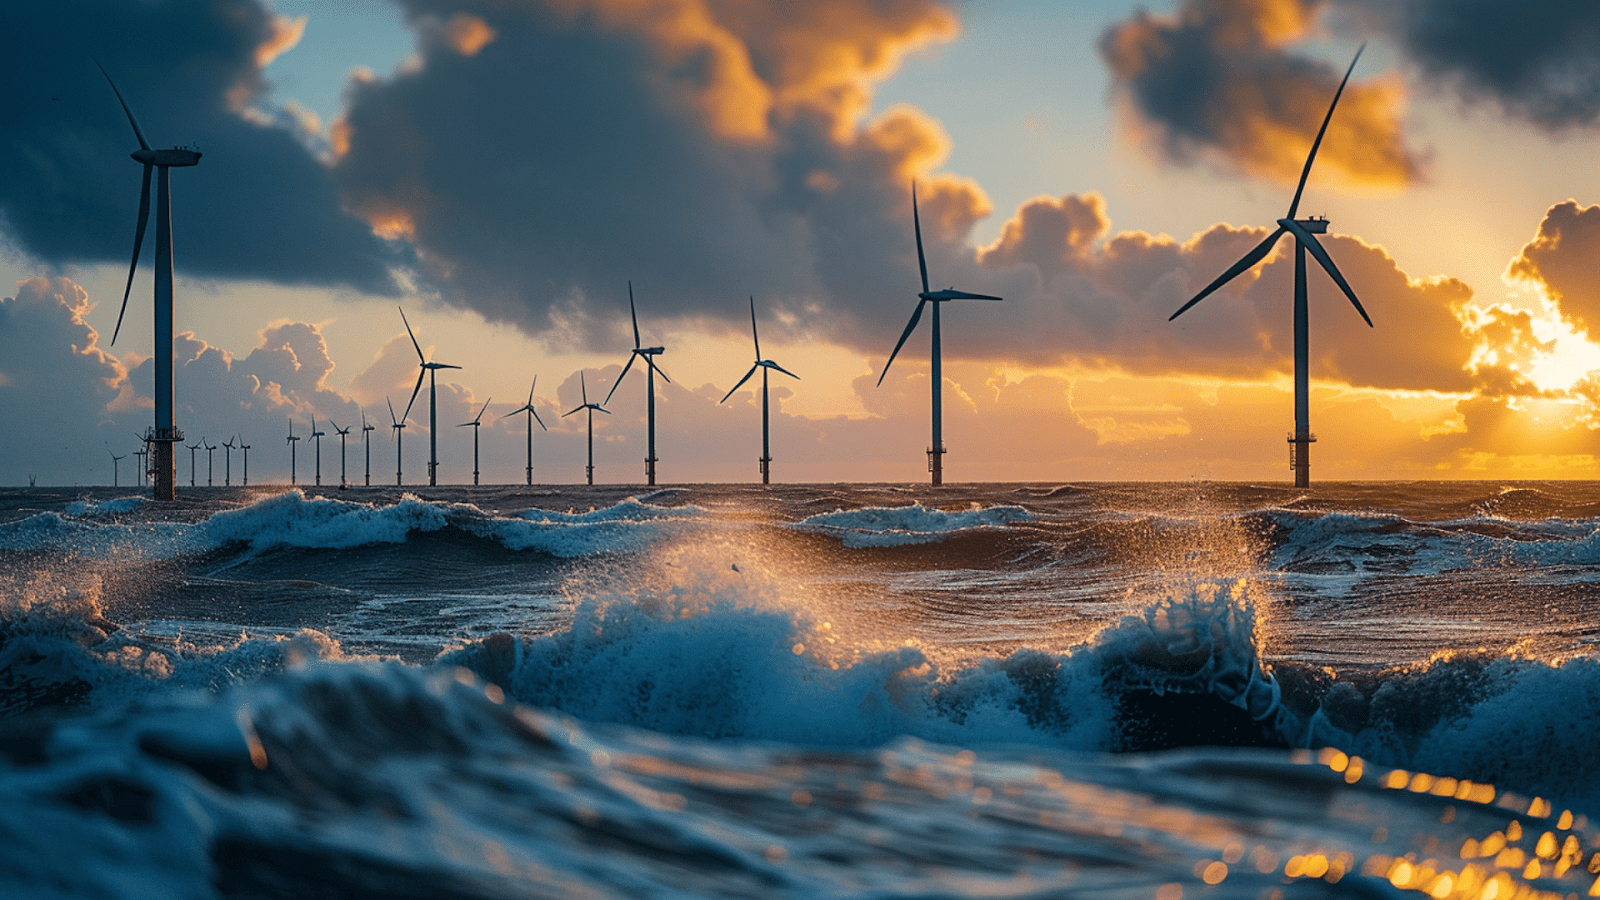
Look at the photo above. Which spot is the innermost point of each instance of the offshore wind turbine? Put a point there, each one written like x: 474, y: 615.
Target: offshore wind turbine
x: 144, y: 461
x: 649, y: 355
x: 211, y: 460
x: 478, y: 420
x: 227, y: 462
x: 399, y: 442
x: 367, y: 442
x: 936, y: 449
x: 591, y: 407
x: 428, y: 369
x: 317, y: 436
x: 164, y: 435
x: 246, y: 448
x: 115, y: 459
x: 342, y: 433
x: 533, y: 415
x: 765, y: 365
x: 1304, y: 232
x: 192, y: 449
x: 292, y: 441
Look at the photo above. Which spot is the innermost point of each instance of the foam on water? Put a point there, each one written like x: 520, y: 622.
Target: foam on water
x: 877, y: 526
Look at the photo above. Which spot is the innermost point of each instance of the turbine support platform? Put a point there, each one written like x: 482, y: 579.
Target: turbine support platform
x: 1300, y: 457
x: 936, y: 463
x: 650, y: 470
x: 164, y: 465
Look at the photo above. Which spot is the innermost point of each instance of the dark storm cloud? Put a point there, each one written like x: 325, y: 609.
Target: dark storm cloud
x: 1538, y: 61
x: 258, y: 206
x: 541, y: 155
x: 1561, y: 261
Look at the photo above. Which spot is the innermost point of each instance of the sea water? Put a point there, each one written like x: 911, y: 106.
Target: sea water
x: 1141, y: 690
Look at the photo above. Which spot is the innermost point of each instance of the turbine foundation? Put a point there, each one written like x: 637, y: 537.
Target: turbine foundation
x: 936, y: 463
x: 1300, y: 457
x: 164, y: 461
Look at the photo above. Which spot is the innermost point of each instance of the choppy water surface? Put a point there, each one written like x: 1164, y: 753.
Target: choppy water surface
x: 1146, y: 690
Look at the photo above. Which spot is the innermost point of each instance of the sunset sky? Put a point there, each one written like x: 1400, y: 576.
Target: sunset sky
x: 502, y: 170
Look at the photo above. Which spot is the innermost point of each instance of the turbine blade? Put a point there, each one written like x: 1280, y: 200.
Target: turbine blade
x: 444, y: 366
x: 1311, y: 243
x: 922, y: 261
x: 579, y: 409
x: 536, y: 417
x: 910, y: 327
x: 584, y: 388
x: 391, y: 411
x: 1244, y: 263
x: 413, y: 336
x: 530, y: 389
x: 143, y: 145
x: 658, y: 369
x: 618, y: 382
x: 1306, y: 172
x: 635, y: 313
x: 414, y: 391
x: 783, y: 370
x: 953, y: 294
x: 740, y: 384
x: 481, y: 411
x: 138, y: 242
x: 602, y: 409
x: 753, y: 333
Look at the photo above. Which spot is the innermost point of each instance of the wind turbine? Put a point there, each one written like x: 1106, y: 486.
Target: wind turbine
x: 192, y: 449
x: 367, y: 442
x: 399, y: 442
x: 115, y: 459
x: 292, y: 441
x: 246, y: 448
x: 227, y: 462
x: 765, y: 365
x: 211, y: 460
x: 936, y: 451
x: 533, y: 415
x: 591, y: 407
x: 342, y: 433
x: 477, y: 421
x: 1305, y: 232
x: 428, y: 369
x: 317, y: 436
x: 164, y: 435
x: 648, y: 354
x: 144, y: 460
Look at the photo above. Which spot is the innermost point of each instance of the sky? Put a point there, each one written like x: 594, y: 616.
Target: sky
x: 504, y: 171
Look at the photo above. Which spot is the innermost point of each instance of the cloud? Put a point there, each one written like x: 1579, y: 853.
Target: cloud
x: 1215, y: 83
x: 1560, y: 262
x: 1537, y: 61
x: 258, y: 206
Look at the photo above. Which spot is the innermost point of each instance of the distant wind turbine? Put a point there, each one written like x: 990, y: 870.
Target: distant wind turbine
x: 765, y: 365
x: 227, y: 462
x: 144, y: 460
x: 246, y: 448
x: 115, y: 459
x: 367, y: 442
x: 477, y: 421
x: 533, y: 415
x: 936, y: 450
x: 211, y: 460
x: 292, y: 441
x: 317, y: 436
x: 428, y: 369
x: 1305, y: 232
x: 399, y: 443
x: 592, y: 408
x: 192, y: 449
x: 165, y: 434
x: 649, y: 355
x: 342, y: 433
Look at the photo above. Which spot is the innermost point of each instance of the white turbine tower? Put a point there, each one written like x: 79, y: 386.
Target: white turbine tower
x: 533, y: 415
x: 936, y: 450
x: 1305, y: 232
x: 765, y: 365
x: 591, y: 407
x: 164, y: 435
x: 428, y: 369
x: 477, y: 421
x: 649, y: 355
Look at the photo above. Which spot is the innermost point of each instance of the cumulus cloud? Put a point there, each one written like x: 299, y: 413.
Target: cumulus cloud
x: 1216, y: 82
x: 258, y: 206
x: 1560, y: 262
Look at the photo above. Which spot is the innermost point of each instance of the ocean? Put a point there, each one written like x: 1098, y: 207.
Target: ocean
x: 1169, y: 691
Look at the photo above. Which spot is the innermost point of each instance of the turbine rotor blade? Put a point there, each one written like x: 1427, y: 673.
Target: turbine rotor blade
x: 635, y: 313
x: 138, y: 242
x: 143, y: 145
x: 536, y: 417
x: 1306, y: 172
x: 481, y: 411
x: 916, y: 223
x: 1244, y: 263
x: 652, y: 363
x: 414, y: 391
x: 530, y: 389
x: 910, y: 327
x: 953, y: 294
x: 1310, y: 242
x: 413, y: 337
x: 584, y: 388
x: 740, y: 384
x: 783, y: 370
x: 618, y: 382
x: 753, y: 333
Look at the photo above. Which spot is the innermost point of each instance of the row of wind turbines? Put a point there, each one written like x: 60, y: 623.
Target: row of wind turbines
x: 164, y: 435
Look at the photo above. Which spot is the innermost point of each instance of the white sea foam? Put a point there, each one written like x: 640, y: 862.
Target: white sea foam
x: 877, y: 526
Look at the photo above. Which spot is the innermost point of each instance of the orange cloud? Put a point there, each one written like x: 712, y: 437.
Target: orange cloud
x: 1560, y: 262
x: 1213, y: 82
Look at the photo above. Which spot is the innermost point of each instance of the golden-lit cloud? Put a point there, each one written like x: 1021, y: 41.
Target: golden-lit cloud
x: 283, y: 35
x: 1561, y: 263
x: 1215, y: 82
